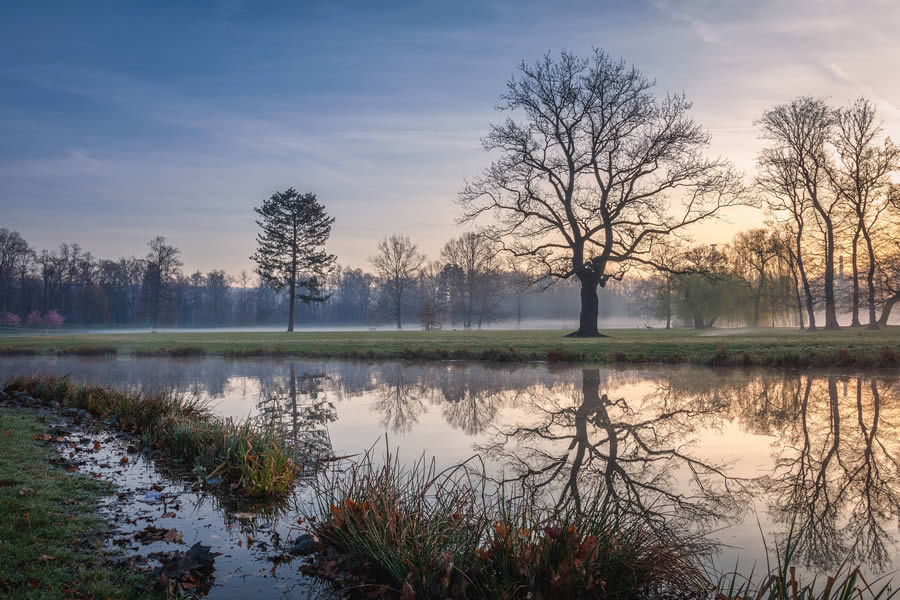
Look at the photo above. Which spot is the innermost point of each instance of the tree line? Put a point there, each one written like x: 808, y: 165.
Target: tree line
x: 464, y: 286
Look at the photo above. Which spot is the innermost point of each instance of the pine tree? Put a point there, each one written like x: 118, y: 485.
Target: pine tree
x: 290, y: 250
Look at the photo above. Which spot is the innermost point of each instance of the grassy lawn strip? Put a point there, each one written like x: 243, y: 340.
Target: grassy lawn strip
x: 758, y: 347
x: 45, y: 514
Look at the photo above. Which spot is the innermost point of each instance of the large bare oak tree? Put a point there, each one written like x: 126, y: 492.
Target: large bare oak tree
x: 593, y: 170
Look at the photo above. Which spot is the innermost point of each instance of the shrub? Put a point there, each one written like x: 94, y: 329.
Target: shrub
x: 10, y: 319
x: 52, y: 319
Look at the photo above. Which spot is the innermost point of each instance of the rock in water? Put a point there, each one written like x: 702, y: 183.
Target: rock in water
x: 305, y: 544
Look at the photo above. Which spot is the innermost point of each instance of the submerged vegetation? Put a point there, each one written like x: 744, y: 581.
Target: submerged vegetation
x: 252, y: 460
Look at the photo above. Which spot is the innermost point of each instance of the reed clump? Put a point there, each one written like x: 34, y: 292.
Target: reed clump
x: 781, y: 582
x: 252, y: 460
x: 428, y: 534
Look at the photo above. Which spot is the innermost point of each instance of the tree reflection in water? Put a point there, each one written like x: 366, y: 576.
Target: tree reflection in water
x: 300, y: 411
x: 836, y: 478
x: 630, y: 456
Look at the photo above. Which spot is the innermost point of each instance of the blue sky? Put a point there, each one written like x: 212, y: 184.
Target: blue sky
x: 120, y: 121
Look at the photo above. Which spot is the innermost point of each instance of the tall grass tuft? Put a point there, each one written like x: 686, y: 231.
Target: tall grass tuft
x: 782, y: 583
x: 430, y: 534
x: 251, y: 459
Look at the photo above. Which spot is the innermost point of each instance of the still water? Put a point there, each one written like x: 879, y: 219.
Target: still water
x: 736, y: 457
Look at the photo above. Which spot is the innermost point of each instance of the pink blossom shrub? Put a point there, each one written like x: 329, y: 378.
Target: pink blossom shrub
x: 53, y: 319
x: 10, y: 319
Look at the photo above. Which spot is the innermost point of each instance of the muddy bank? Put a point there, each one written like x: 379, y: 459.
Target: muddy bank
x: 192, y: 538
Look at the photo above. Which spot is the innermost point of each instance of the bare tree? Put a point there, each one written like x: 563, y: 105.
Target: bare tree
x: 799, y: 132
x: 586, y: 181
x: 13, y: 248
x: 432, y: 299
x: 163, y: 263
x: 786, y: 197
x: 396, y: 263
x: 862, y: 177
x: 754, y: 252
x: 479, y: 286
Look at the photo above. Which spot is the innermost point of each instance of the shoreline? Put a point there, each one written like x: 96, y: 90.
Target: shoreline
x: 845, y: 348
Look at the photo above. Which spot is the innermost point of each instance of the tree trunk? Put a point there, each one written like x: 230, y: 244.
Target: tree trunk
x: 669, y: 309
x: 587, y: 321
x: 870, y: 280
x: 831, y: 321
x: 886, y: 311
x: 854, y: 321
x: 293, y: 291
x: 807, y: 291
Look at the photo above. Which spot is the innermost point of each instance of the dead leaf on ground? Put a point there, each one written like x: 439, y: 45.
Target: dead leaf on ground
x: 173, y: 535
x: 45, y: 558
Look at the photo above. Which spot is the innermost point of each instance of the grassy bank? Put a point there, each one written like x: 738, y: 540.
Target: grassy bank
x: 248, y: 459
x: 46, y: 520
x: 764, y: 347
x: 414, y: 533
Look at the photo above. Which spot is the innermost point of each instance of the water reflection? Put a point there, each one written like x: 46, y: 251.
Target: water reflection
x: 719, y: 453
x: 631, y: 453
x: 835, y: 477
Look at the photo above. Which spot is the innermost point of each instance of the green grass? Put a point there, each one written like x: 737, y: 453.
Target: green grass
x: 251, y: 459
x: 45, y: 511
x: 767, y: 347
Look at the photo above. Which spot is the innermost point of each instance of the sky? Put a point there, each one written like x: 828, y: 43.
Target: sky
x: 121, y: 121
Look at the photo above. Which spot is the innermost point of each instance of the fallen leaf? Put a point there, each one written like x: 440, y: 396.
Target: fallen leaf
x: 43, y: 437
x: 167, y: 515
x: 45, y: 558
x: 173, y: 535
x: 124, y: 460
x: 96, y: 446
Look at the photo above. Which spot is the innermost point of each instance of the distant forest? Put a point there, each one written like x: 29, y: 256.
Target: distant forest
x: 750, y: 281
x: 85, y: 290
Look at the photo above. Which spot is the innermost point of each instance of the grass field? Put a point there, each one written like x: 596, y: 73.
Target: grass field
x: 47, y: 519
x: 769, y: 347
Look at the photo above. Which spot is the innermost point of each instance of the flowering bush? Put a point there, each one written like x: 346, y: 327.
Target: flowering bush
x: 51, y: 318
x: 10, y: 319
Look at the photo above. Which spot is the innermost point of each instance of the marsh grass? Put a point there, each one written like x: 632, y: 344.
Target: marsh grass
x: 251, y: 459
x: 441, y: 534
x: 781, y: 582
x: 423, y: 533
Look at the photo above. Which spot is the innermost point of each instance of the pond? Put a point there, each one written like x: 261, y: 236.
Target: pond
x: 735, y: 457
